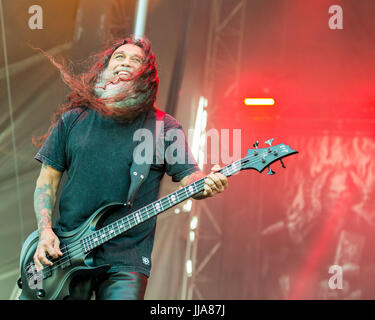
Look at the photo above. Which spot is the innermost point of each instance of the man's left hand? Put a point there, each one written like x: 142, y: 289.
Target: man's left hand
x: 215, y: 183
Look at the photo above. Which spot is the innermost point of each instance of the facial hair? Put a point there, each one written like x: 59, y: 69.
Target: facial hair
x: 130, y: 104
x: 108, y: 87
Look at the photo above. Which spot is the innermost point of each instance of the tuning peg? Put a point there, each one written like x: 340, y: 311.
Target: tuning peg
x: 269, y: 142
x: 270, y: 171
x: 282, y: 163
x: 255, y: 145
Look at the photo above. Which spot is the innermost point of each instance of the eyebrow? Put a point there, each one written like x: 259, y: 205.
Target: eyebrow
x: 132, y: 55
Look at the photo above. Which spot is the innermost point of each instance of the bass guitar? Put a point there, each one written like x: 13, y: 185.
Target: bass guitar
x: 78, y: 246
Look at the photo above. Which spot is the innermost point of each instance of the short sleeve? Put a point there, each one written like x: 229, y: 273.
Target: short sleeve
x: 179, y: 160
x: 52, y: 151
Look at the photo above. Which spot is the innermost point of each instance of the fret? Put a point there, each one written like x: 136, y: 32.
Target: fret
x: 92, y: 241
x: 187, y: 194
x: 195, y: 186
x: 112, y: 230
x: 119, y: 225
x: 173, y: 198
x: 158, y: 206
x: 170, y: 205
x: 180, y: 193
x: 191, y: 189
x: 128, y: 221
x: 102, y: 236
x: 166, y: 202
x: 89, y: 244
x: 141, y: 214
x: 139, y: 220
x: 118, y: 228
x: 150, y: 209
x: 148, y: 215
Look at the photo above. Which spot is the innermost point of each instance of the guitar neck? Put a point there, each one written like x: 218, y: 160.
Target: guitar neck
x: 137, y: 217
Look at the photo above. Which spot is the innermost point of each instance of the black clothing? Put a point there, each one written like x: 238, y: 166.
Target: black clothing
x: 97, y: 153
x: 121, y: 286
x: 117, y: 285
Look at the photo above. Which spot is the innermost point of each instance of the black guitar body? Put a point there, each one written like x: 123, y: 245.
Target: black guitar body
x: 75, y: 260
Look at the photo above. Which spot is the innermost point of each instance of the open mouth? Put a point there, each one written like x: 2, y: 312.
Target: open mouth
x: 122, y: 72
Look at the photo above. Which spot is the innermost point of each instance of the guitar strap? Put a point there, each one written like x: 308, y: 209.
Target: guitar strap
x: 139, y: 170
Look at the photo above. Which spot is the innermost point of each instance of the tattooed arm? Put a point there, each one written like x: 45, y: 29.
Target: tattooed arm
x: 44, y: 202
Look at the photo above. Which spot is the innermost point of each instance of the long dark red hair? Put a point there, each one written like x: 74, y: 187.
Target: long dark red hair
x: 141, y: 98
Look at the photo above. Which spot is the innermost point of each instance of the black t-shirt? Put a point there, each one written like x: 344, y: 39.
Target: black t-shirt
x: 97, y: 154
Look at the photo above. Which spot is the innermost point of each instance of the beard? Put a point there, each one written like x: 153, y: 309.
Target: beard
x: 115, y: 91
x: 120, y: 98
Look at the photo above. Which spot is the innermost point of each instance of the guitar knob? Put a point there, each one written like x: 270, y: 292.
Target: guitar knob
x: 19, y: 283
x: 41, y: 293
x: 255, y: 145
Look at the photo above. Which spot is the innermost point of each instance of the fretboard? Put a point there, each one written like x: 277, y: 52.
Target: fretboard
x: 137, y: 217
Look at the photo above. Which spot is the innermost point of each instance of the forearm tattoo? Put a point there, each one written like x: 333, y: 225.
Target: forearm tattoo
x: 43, y: 204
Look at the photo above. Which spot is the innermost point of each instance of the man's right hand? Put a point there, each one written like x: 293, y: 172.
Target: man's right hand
x: 48, y: 243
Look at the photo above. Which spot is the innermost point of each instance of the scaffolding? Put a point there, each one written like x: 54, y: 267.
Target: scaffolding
x: 226, y: 30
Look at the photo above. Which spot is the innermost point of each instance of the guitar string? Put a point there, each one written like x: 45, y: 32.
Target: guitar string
x: 60, y: 261
x: 78, y: 245
x: 162, y: 201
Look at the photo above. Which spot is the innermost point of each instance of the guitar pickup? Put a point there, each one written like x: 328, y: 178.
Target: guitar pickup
x: 65, y: 258
x: 47, y: 272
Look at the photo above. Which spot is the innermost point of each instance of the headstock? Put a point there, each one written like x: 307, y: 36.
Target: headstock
x: 259, y: 159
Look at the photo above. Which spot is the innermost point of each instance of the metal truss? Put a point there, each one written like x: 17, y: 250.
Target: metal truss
x: 120, y: 19
x: 224, y: 48
x: 225, y: 40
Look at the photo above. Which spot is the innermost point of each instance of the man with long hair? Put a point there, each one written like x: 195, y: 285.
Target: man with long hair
x: 91, y: 139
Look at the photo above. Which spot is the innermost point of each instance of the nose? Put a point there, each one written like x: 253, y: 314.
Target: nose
x: 126, y: 62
